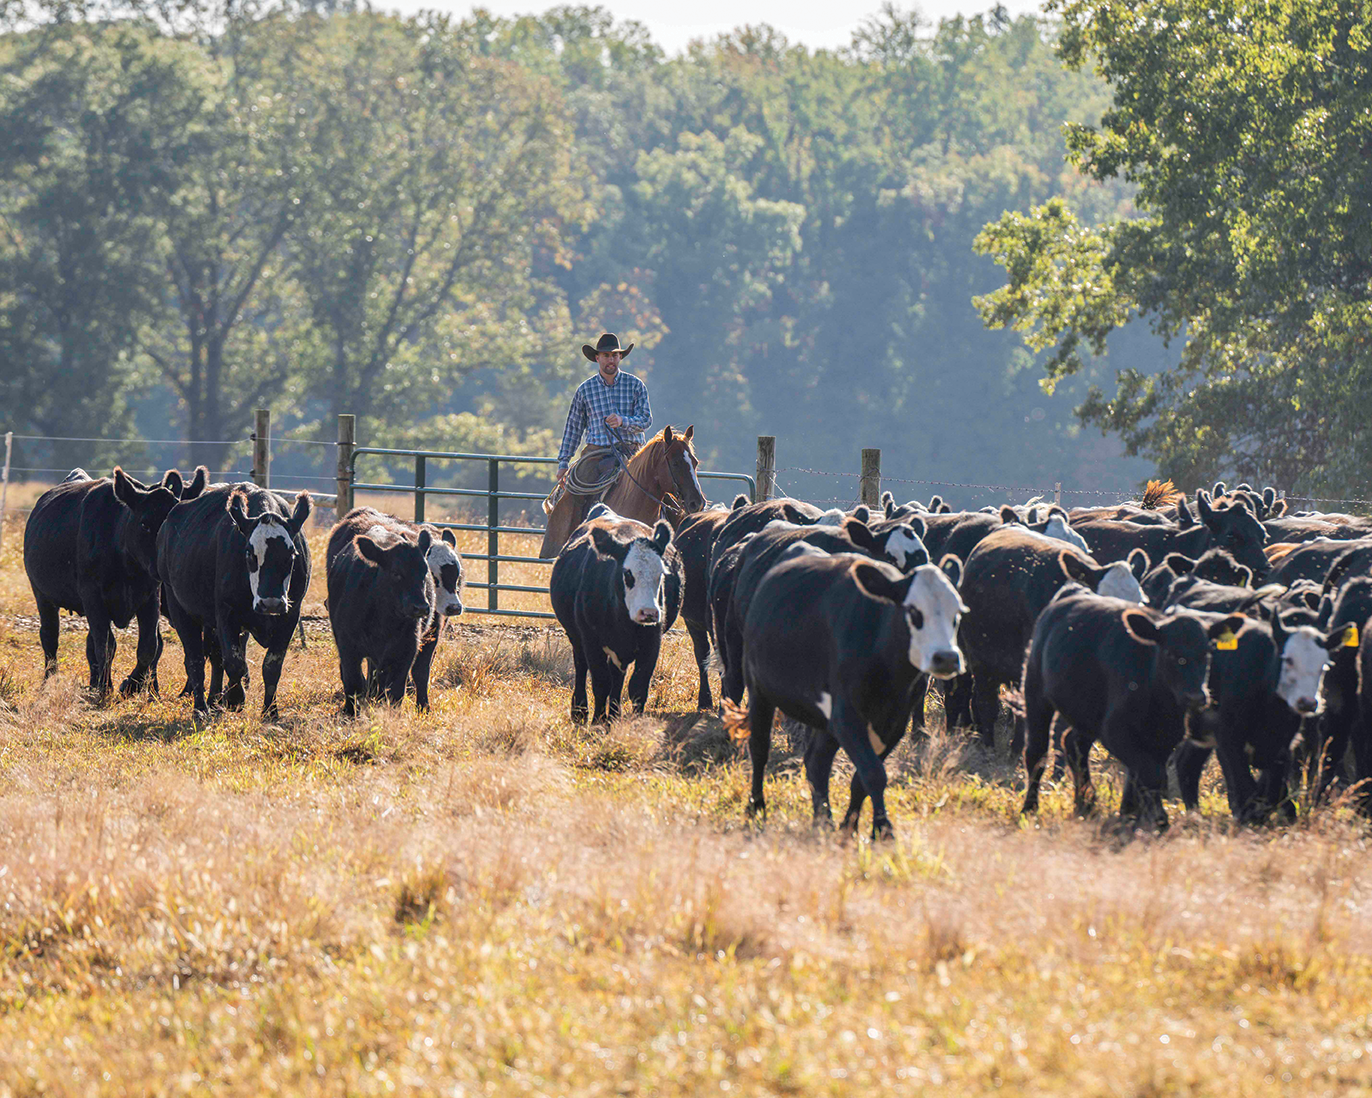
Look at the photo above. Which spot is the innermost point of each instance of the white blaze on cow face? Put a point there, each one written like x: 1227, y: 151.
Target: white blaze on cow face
x: 441, y: 555
x: 832, y: 517
x: 933, y: 607
x: 642, y: 578
x: 1303, y: 663
x: 1119, y: 583
x: 259, y: 546
x: 1059, y: 530
x: 905, y: 548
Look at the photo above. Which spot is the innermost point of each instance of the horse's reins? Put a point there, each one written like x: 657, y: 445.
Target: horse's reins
x: 662, y: 501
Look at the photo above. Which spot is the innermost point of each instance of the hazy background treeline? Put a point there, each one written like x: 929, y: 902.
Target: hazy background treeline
x: 420, y: 220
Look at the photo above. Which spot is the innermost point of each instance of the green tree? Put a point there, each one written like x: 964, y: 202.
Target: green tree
x: 1247, y: 130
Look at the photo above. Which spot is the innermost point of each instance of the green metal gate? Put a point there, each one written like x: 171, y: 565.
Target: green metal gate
x: 493, y: 494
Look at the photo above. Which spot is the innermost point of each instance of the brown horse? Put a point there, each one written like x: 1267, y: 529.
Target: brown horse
x: 661, y: 481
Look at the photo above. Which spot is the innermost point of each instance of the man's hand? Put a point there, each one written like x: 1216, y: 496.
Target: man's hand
x: 561, y: 476
x: 613, y: 420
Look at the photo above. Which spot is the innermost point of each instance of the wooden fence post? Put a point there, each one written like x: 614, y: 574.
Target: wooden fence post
x: 766, y: 467
x: 261, y: 449
x: 1057, y: 492
x: 869, y: 486
x: 347, y: 441
x: 5, y: 482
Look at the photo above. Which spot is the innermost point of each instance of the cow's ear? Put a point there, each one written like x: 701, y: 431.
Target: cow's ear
x: 370, y: 549
x: 1219, y: 489
x: 238, y: 511
x: 918, y: 525
x: 426, y: 539
x: 862, y: 513
x: 1074, y: 568
x: 125, y: 491
x: 449, y: 538
x: 1226, y: 627
x: 876, y: 583
x: 740, y: 500
x: 196, y: 487
x: 951, y: 566
x: 1008, y: 514
x: 936, y: 504
x: 1140, y: 626
x: 860, y: 535
x: 888, y: 504
x: 1138, y: 563
x: 1203, y: 508
x: 662, y: 536
x: 172, y: 482
x: 1179, y: 563
x: 1338, y: 638
x: 1185, y: 519
x: 1278, y: 509
x: 1279, y: 632
x: 607, y: 544
x: 303, y: 506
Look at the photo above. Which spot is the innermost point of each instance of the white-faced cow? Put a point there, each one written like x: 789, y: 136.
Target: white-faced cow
x: 89, y: 547
x: 615, y: 587
x: 234, y: 563
x: 844, y: 644
x: 381, y: 602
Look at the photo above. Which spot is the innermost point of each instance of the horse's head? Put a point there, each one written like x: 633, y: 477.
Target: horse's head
x: 679, y: 464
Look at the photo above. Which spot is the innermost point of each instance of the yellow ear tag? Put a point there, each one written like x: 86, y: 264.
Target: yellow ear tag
x: 1350, y: 637
x: 1227, y: 641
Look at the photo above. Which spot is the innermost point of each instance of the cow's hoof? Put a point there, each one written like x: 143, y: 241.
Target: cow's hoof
x: 883, y: 832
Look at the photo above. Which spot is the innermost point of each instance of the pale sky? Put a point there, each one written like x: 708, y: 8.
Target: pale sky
x: 673, y: 24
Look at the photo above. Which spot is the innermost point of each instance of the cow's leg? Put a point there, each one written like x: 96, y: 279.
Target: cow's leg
x: 215, y: 654
x: 1038, y: 724
x: 731, y: 651
x: 848, y: 727
x: 1145, y: 784
x: 396, y: 663
x: 819, y: 765
x: 1191, y: 759
x: 601, y: 681
x: 1077, y: 750
x: 986, y: 706
x: 761, y: 713
x: 857, y: 795
x: 700, y: 644
x: 100, y: 648
x: 49, y: 629
x: 272, y: 663
x: 614, y: 690
x: 579, y: 669
x: 645, y: 663
x: 144, y: 674
x: 423, y: 663
x: 192, y: 652
x: 1362, y: 760
x: 959, y: 706
x: 1272, y: 794
x: 232, y: 649
x: 354, y: 681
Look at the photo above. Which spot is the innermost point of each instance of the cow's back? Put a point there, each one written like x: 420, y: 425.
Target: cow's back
x: 50, y: 542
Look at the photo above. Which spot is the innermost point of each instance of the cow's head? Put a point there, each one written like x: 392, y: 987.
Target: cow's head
x: 1302, y: 659
x: 1116, y: 581
x: 642, y: 570
x: 931, y: 606
x: 1233, y: 528
x: 1183, y: 650
x: 446, y: 568
x: 901, y: 545
x: 270, y: 550
x: 406, y: 568
x: 150, y: 507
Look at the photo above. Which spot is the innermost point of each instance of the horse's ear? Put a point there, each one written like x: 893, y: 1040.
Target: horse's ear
x: 690, y: 433
x: 667, y: 434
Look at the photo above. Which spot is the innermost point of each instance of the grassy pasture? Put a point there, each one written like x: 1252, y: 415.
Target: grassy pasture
x: 488, y: 900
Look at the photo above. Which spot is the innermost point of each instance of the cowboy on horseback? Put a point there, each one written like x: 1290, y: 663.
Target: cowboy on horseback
x: 611, y: 409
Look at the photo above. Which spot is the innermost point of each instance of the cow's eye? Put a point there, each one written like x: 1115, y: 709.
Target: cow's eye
x: 1181, y: 660
x: 628, y: 578
x: 916, y: 618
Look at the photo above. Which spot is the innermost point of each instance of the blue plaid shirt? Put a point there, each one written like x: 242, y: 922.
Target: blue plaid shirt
x: 594, y: 400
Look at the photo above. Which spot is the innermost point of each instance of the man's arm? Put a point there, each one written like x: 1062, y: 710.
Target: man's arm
x: 642, y: 416
x: 571, y: 434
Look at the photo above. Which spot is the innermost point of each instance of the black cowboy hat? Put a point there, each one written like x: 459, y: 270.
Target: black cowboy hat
x: 605, y: 345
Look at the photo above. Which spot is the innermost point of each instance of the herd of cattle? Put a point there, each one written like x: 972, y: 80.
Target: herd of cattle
x: 1163, y: 632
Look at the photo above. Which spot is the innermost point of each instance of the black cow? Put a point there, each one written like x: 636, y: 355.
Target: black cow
x: 1264, y: 679
x: 1232, y: 528
x: 844, y: 644
x: 89, y: 547
x: 382, y: 600
x: 752, y: 517
x: 1121, y: 674
x: 234, y: 562
x: 1339, y: 725
x: 1214, y: 565
x: 694, y: 538
x: 445, y: 566
x: 615, y: 587
x: 1007, y: 581
x: 1314, y: 559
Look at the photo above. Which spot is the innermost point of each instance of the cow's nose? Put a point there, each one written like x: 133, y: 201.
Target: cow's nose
x: 271, y: 606
x: 1306, y: 706
x: 453, y: 608
x: 647, y: 617
x: 946, y: 663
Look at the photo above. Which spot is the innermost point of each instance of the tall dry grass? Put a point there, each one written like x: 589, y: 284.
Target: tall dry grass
x: 488, y: 899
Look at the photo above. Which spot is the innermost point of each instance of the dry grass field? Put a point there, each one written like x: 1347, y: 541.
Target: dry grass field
x: 487, y: 899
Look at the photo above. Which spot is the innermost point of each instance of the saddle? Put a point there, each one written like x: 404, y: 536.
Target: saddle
x: 589, y: 478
